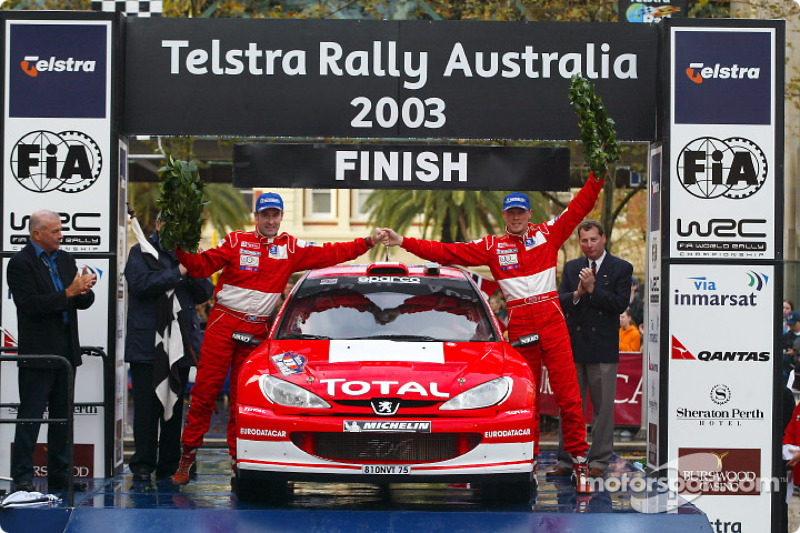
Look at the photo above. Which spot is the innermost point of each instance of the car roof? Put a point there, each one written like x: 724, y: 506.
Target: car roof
x: 389, y: 269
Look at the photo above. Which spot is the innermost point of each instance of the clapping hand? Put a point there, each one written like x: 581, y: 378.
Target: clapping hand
x: 82, y: 284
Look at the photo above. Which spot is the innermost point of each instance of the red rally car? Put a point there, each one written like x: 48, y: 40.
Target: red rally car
x: 386, y: 373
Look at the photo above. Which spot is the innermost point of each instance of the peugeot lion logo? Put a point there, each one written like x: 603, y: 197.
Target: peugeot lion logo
x: 385, y: 407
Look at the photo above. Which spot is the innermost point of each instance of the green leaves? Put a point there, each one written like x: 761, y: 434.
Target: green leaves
x: 600, y: 146
x: 181, y: 204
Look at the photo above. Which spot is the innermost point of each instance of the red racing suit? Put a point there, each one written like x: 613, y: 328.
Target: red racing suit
x: 255, y: 271
x: 525, y: 268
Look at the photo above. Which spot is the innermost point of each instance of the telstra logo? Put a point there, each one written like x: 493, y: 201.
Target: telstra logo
x: 32, y: 65
x: 697, y: 72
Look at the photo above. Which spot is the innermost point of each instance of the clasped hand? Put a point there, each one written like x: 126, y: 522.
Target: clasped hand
x: 81, y: 284
x: 586, y: 284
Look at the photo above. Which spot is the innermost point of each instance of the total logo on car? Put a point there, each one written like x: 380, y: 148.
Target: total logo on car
x: 386, y: 373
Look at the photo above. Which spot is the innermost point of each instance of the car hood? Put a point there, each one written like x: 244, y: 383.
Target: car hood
x: 363, y: 369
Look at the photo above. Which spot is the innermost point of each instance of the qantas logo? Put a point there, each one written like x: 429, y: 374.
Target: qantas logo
x: 32, y: 65
x: 679, y: 351
x: 697, y: 72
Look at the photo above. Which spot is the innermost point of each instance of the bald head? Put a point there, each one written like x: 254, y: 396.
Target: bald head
x: 45, y: 229
x: 40, y: 217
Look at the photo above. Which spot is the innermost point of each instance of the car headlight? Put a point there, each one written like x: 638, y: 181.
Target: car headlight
x: 290, y: 395
x: 484, y: 395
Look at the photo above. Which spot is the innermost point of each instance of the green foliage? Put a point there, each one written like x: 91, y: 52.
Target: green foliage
x: 181, y: 204
x: 600, y: 146
x: 228, y: 211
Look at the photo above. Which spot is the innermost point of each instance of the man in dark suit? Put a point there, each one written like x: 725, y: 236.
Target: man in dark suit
x: 594, y: 290
x: 149, y: 279
x: 47, y: 291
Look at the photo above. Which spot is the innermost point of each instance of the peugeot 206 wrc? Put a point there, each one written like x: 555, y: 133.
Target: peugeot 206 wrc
x: 386, y: 373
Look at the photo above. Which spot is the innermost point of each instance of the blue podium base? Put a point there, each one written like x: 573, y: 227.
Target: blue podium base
x: 207, y: 504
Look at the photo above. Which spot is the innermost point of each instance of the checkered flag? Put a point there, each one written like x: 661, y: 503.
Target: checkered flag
x: 132, y: 8
x: 169, y: 350
x: 169, y: 340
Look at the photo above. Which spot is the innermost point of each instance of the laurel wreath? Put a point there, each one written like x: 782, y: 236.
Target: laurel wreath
x: 181, y: 204
x: 600, y: 146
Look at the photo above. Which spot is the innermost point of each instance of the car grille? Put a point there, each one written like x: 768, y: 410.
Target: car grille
x: 389, y: 447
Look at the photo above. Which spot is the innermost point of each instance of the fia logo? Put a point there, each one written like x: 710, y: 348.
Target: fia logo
x: 44, y: 161
x: 732, y: 168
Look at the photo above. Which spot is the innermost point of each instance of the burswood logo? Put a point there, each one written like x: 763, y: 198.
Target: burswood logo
x: 695, y: 473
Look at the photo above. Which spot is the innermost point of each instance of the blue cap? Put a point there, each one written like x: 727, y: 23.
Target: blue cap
x: 269, y: 200
x: 634, y: 281
x: 516, y: 199
x: 793, y: 318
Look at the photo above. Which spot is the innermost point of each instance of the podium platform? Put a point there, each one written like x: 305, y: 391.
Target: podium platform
x: 207, y: 504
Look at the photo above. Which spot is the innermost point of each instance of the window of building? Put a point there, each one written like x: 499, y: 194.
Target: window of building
x: 320, y: 203
x: 358, y: 198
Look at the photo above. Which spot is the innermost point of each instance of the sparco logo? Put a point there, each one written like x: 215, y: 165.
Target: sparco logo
x: 44, y: 161
x: 712, y: 168
x: 387, y: 279
x: 697, y: 72
x: 33, y: 65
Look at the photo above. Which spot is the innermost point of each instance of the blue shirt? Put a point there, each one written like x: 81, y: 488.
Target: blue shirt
x: 50, y: 262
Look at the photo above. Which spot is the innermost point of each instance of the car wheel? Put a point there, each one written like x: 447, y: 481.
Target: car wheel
x: 506, y: 493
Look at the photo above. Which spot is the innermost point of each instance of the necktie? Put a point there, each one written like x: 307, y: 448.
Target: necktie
x: 594, y: 267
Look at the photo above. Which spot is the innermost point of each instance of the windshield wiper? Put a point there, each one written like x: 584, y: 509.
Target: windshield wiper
x: 306, y: 336
x: 396, y: 337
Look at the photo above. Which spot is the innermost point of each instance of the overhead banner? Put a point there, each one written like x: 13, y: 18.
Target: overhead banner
x: 371, y: 166
x: 384, y: 79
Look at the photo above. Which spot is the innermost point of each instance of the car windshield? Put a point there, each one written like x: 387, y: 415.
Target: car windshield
x: 402, y: 308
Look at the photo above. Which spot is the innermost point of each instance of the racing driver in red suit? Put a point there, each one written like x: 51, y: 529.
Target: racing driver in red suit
x: 256, y: 266
x: 523, y: 262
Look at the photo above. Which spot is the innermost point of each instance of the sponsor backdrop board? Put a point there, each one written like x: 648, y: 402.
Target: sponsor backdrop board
x: 57, y: 130
x: 628, y: 399
x: 723, y: 143
x: 652, y: 341
x: 89, y: 379
x: 721, y: 268
x: 721, y: 348
x: 57, y: 155
x: 120, y: 390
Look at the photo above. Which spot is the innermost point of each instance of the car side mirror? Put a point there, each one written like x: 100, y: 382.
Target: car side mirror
x: 526, y: 340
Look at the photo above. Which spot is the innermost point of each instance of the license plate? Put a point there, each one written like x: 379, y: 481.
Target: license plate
x: 385, y: 469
